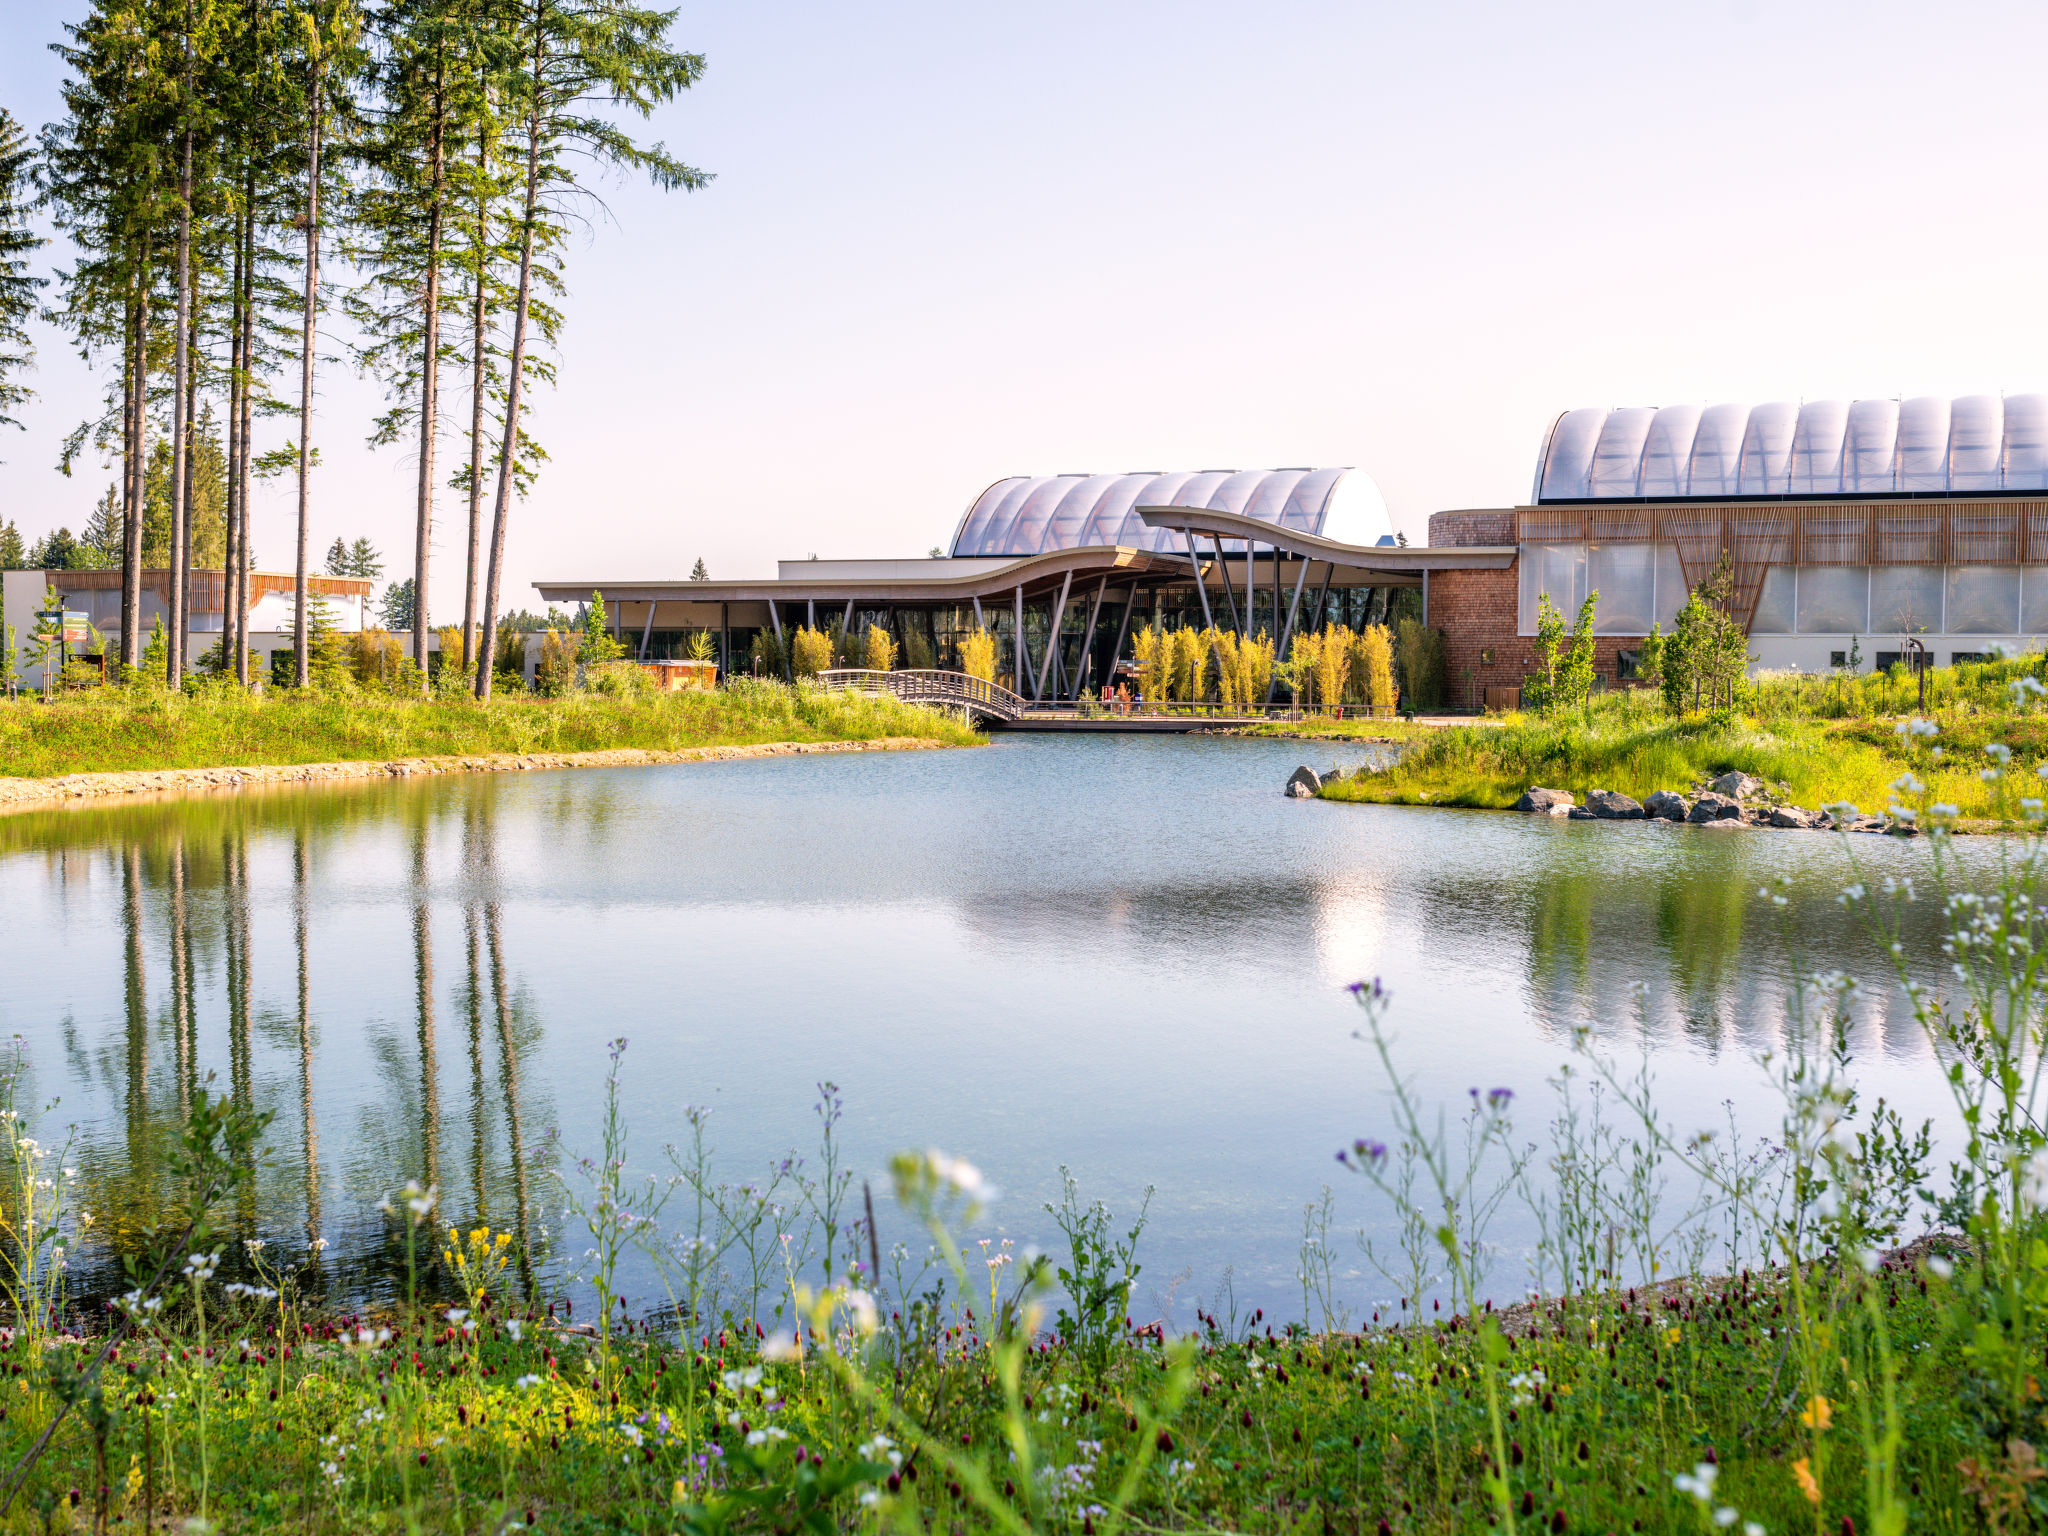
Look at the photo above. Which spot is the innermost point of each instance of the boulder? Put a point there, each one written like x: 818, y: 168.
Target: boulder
x: 1715, y: 807
x: 1303, y: 784
x: 1737, y: 784
x: 1545, y: 802
x: 1611, y: 805
x: 1579, y: 813
x: 1665, y: 806
x: 1790, y: 816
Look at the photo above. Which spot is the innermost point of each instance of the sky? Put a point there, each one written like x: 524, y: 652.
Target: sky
x: 949, y: 243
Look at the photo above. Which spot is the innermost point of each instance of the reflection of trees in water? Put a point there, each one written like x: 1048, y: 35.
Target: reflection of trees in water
x: 187, y: 898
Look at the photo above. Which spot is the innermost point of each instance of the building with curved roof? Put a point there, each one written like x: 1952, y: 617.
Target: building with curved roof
x: 1975, y: 445
x: 1034, y: 515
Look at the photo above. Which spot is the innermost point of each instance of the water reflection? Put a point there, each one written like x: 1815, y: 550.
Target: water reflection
x: 1125, y: 956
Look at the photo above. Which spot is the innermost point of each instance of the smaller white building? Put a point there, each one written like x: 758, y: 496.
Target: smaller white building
x: 91, y: 601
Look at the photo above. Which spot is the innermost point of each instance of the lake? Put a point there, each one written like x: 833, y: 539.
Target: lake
x: 1127, y: 956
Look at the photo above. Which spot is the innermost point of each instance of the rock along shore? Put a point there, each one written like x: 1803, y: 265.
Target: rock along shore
x: 77, y: 788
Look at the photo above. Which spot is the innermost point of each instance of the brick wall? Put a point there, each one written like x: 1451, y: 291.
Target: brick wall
x: 1476, y: 610
x: 1460, y: 530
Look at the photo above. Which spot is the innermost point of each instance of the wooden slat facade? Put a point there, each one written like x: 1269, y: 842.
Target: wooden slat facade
x: 1756, y: 536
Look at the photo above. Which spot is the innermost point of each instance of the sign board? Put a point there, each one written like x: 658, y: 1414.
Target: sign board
x: 78, y: 628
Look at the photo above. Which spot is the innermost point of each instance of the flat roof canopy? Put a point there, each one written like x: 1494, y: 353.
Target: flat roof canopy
x: 1374, y: 565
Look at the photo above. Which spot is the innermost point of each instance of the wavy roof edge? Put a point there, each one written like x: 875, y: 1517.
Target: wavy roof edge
x: 1926, y: 445
x: 1033, y: 514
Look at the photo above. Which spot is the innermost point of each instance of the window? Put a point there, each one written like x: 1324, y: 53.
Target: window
x: 1834, y: 600
x: 2034, y: 601
x: 1774, y: 603
x: 1983, y: 600
x: 1958, y: 658
x: 1886, y: 660
x: 1556, y: 571
x: 1838, y: 659
x: 1628, y: 666
x: 1905, y: 600
x: 1625, y: 576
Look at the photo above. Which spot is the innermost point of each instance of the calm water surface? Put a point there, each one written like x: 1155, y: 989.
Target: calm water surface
x: 1124, y: 955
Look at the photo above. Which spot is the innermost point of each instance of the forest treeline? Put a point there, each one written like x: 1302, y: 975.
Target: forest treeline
x: 230, y: 176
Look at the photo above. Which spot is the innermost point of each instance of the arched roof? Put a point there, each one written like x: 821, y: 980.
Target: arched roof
x: 1923, y: 446
x: 1029, y: 515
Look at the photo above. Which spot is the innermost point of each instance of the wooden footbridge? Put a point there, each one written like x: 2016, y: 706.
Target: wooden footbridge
x: 990, y: 704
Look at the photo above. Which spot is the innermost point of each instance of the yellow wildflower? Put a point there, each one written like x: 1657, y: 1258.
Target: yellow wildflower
x: 1819, y: 1414
x: 1807, y: 1485
x: 1672, y: 1336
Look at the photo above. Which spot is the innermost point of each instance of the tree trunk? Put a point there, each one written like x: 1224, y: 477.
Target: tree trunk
x: 138, y: 482
x: 175, y: 619
x: 181, y: 544
x: 302, y: 654
x: 234, y: 455
x: 508, y: 448
x: 242, y: 472
x: 430, y: 375
x: 476, y: 409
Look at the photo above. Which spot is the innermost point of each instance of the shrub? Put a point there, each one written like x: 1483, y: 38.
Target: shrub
x: 978, y: 654
x: 878, y: 652
x: 1374, y: 662
x: 810, y: 651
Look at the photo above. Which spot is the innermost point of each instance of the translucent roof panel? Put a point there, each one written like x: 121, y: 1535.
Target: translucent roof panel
x: 1870, y: 450
x: 1618, y: 453
x: 1031, y: 515
x: 2026, y: 441
x: 1717, y: 451
x: 1976, y: 444
x: 1923, y: 444
x: 1667, y: 451
x: 1567, y: 463
x: 1767, y: 449
x: 1817, y: 448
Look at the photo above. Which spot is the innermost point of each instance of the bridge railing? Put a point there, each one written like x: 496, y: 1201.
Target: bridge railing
x: 926, y: 685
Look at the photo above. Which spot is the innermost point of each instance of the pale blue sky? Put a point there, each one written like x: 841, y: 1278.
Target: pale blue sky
x: 951, y: 242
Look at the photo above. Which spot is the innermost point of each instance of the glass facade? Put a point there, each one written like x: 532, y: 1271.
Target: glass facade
x: 1903, y: 600
x: 1637, y: 585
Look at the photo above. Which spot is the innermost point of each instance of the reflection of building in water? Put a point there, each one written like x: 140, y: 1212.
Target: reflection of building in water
x: 219, y: 913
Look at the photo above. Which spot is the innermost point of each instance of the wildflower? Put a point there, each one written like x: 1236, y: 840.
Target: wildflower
x: 527, y: 1381
x: 865, y: 1317
x: 515, y: 1328
x: 1725, y: 1517
x: 782, y: 1345
x: 1499, y: 1098
x: 2034, y: 1181
x: 1699, y: 1482
x: 1939, y: 1267
x: 1804, y: 1472
x: 199, y: 1267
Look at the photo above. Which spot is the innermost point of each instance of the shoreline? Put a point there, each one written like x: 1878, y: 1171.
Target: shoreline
x: 60, y: 791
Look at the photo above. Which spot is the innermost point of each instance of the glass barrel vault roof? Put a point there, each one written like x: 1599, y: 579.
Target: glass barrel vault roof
x: 1923, y: 446
x: 1031, y: 515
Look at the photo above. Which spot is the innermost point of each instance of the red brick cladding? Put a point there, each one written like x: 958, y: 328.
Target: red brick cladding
x: 1476, y: 610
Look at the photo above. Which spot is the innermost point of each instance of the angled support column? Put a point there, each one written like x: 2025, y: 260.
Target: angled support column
x: 979, y: 621
x: 1252, y: 584
x: 1323, y: 599
x: 1116, y: 652
x: 1052, y: 639
x: 1088, y: 638
x: 1293, y: 607
x: 1023, y: 662
x: 1201, y: 582
x: 788, y: 661
x: 1229, y: 598
x: 647, y: 634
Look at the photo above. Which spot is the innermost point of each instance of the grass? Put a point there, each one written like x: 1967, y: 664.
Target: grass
x: 1828, y: 1379
x: 133, y: 729
x: 1322, y: 727
x: 1278, y: 1430
x: 1627, y: 742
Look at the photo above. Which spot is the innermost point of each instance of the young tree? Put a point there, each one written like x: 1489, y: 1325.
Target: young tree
x: 598, y: 645
x: 17, y: 286
x: 12, y: 556
x: 697, y: 571
x: 579, y: 61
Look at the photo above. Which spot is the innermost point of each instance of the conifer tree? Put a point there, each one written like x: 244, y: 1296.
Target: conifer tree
x: 578, y: 62
x: 17, y: 286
